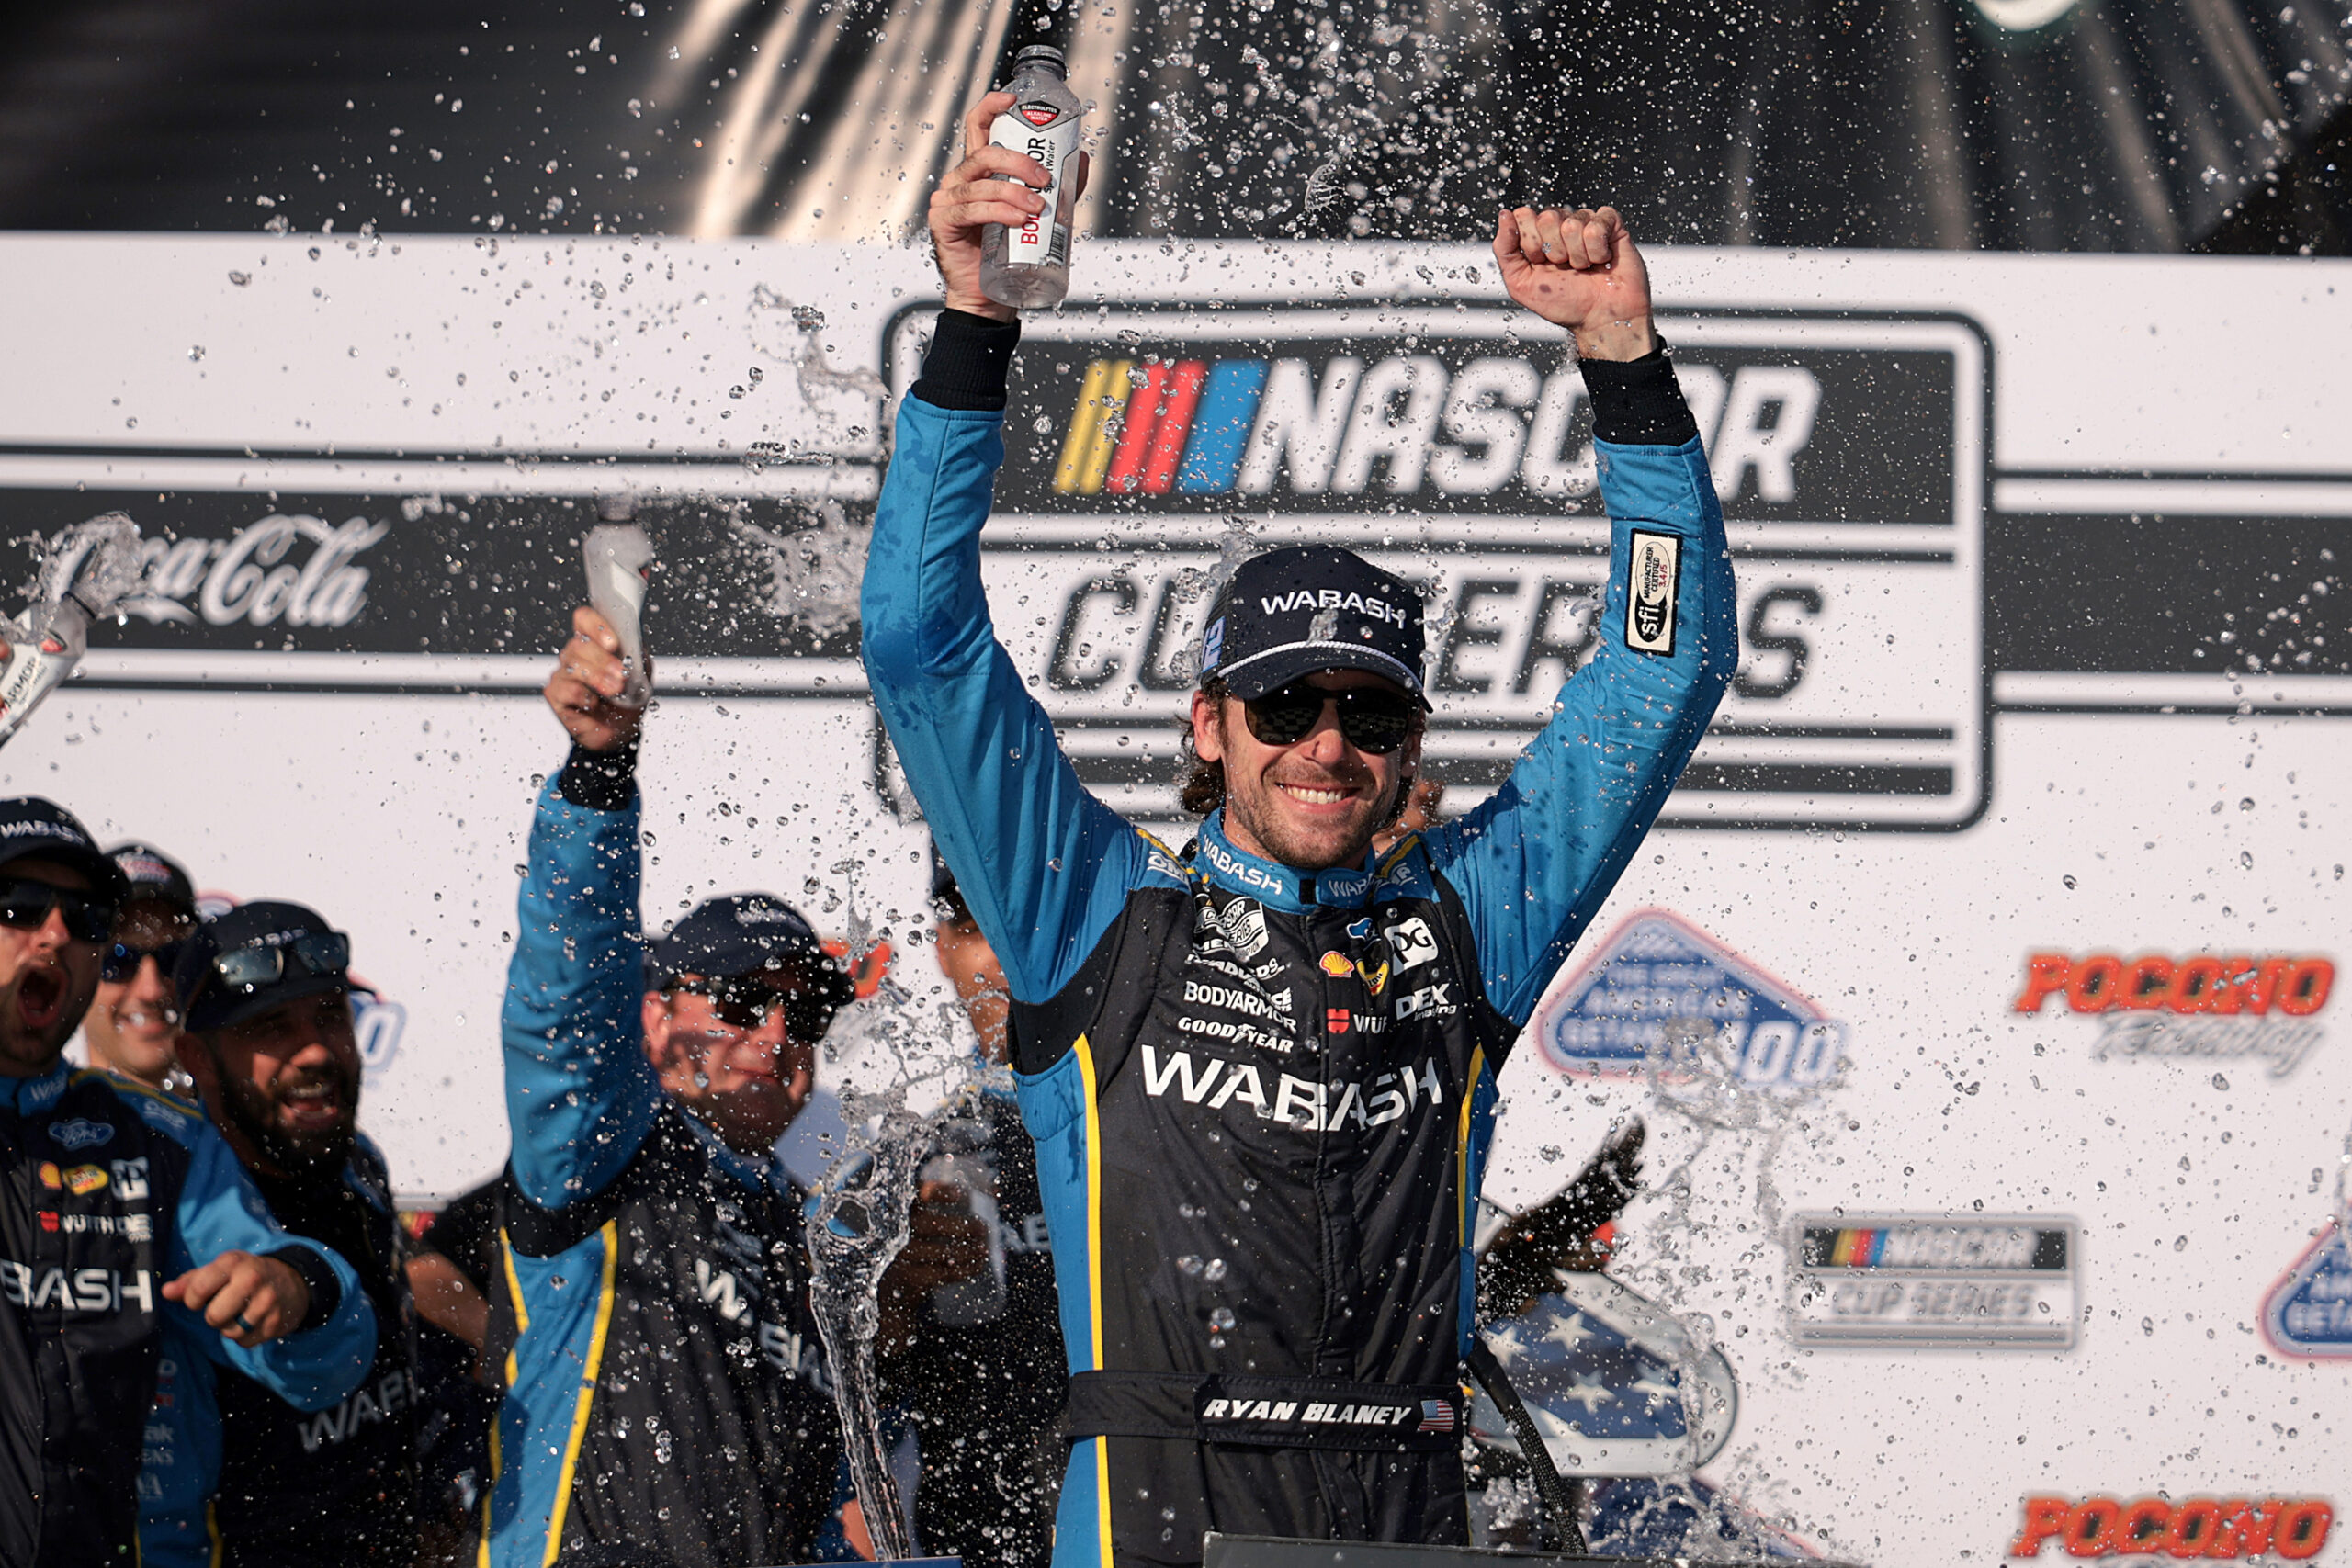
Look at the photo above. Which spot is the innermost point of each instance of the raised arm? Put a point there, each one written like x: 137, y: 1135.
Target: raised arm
x: 1042, y: 863
x: 1535, y: 860
x: 579, y: 1094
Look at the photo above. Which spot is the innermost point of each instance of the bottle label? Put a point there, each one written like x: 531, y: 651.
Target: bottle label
x: 1048, y: 132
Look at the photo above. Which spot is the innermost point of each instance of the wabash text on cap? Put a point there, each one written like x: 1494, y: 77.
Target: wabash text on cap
x: 747, y: 933
x: 314, y: 957
x: 151, y: 874
x: 31, y: 828
x: 1291, y: 611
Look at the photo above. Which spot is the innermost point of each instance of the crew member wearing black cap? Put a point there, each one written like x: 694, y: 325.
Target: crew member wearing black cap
x: 265, y: 991
x: 664, y: 1384
x: 1260, y: 1074
x: 121, y: 1212
x: 133, y: 1026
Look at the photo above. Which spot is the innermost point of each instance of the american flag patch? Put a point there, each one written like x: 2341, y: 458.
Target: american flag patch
x: 1437, y: 1415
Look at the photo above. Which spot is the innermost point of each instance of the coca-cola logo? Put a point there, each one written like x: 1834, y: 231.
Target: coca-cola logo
x: 261, y: 575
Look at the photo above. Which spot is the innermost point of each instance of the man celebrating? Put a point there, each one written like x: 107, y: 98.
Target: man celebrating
x: 1261, y: 1075
x: 232, y: 1469
x: 113, y: 1195
x: 664, y: 1374
x: 133, y: 1027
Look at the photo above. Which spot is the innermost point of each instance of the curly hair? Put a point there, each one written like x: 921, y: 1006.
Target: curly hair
x: 1200, y: 784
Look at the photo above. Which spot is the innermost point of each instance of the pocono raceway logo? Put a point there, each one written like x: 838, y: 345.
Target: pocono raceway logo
x: 2205, y: 1008
x: 1452, y: 444
x: 2225, y: 1527
x: 1660, y: 995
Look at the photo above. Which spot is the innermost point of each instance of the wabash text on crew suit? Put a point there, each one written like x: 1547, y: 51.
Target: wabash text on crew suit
x: 662, y: 1380
x: 235, y: 1477
x: 112, y: 1189
x: 1260, y: 1097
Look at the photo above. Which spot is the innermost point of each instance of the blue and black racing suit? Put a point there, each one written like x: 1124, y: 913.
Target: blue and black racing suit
x: 663, y: 1379
x: 1261, y: 1097
x: 111, y: 1191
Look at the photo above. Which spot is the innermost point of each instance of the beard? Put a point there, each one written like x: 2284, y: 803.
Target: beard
x: 254, y: 1112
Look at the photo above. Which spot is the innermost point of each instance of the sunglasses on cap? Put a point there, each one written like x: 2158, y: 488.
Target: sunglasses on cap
x: 248, y: 968
x: 746, y: 1002
x: 26, y: 904
x: 1377, y: 719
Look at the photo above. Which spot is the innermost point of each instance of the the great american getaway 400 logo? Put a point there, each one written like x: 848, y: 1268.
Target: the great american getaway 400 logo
x: 1454, y: 446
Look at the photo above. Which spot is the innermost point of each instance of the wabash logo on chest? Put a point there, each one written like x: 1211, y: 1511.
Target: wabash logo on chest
x: 1305, y: 1104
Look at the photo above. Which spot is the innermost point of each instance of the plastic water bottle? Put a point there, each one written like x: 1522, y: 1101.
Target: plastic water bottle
x: 95, y: 564
x: 621, y: 559
x: 1030, y: 265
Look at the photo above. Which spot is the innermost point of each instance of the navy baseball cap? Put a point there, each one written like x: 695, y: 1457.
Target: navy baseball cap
x: 32, y: 827
x: 747, y: 933
x: 153, y: 876
x: 257, y: 956
x: 1291, y: 611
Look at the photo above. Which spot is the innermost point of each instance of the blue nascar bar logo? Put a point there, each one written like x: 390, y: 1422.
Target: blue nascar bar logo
x: 1661, y: 995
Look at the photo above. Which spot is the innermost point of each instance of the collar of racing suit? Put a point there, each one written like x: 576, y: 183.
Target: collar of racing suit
x: 1277, y: 886
x: 29, y: 1097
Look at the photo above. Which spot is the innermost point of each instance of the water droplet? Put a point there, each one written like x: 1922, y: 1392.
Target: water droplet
x: 1215, y: 1272
x: 1550, y: 1153
x: 1221, y: 1319
x: 2068, y: 880
x: 2245, y: 859
x: 2220, y: 1082
x: 241, y: 278
x: 1188, y: 1265
x: 2246, y: 803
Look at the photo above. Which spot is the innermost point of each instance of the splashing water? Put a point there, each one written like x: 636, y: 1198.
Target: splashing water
x: 814, y: 573
x: 855, y: 1232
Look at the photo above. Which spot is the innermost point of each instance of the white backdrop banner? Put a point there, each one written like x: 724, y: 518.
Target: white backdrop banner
x: 1998, y: 1136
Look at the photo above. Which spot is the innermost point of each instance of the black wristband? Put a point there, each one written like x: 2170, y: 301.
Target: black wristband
x: 969, y: 363
x: 1637, y: 402
x: 326, y: 1291
x: 598, y: 781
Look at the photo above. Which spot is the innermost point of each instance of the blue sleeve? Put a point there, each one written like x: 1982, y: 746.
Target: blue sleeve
x: 579, y: 1094
x: 220, y: 1212
x: 1536, y: 860
x: 1043, y: 866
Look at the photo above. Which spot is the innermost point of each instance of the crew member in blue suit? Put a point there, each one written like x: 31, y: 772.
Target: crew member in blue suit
x: 1259, y: 1073
x: 123, y: 1212
x: 665, y: 1390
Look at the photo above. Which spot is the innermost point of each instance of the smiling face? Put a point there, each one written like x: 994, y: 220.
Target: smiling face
x: 46, y: 978
x: 1315, y: 803
x: 133, y: 1023
x: 746, y: 1083
x: 284, y: 1084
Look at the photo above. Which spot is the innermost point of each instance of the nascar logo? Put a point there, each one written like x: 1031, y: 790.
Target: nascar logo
x: 1168, y: 424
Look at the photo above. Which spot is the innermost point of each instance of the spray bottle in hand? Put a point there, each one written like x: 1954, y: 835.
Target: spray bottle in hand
x: 620, y: 561
x: 92, y: 565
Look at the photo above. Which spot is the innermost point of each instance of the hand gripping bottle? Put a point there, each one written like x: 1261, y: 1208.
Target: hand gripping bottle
x: 621, y: 559
x: 1030, y: 265
x: 92, y: 565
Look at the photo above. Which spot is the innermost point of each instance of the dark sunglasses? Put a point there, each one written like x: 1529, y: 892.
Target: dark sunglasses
x: 121, y: 961
x: 746, y: 1002
x: 1373, y: 718
x: 321, y: 953
x: 26, y: 905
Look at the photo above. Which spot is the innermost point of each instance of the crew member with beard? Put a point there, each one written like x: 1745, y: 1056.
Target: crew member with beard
x: 112, y: 1194
x: 267, y: 994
